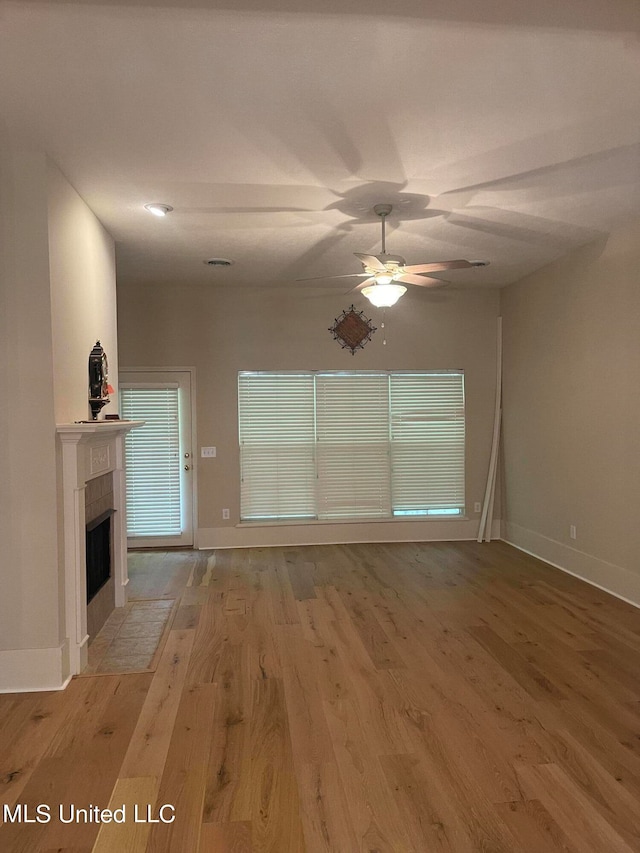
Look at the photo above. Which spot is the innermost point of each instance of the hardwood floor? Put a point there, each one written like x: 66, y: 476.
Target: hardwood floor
x: 414, y: 697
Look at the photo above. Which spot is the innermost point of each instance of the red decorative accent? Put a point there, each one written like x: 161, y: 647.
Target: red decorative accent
x: 352, y: 329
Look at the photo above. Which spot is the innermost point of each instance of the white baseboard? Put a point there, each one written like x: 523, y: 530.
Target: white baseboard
x: 344, y: 533
x: 609, y: 577
x: 32, y: 670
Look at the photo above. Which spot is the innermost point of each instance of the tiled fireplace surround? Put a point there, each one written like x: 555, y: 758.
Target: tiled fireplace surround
x: 93, y: 475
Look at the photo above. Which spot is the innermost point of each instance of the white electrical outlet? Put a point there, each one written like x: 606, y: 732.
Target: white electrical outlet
x: 207, y: 452
x: 225, y: 514
x: 477, y: 507
x: 572, y: 531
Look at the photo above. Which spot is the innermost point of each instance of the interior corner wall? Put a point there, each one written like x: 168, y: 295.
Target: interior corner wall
x: 57, y: 296
x: 220, y: 330
x: 29, y: 617
x: 83, y: 310
x: 83, y: 297
x: 571, y: 413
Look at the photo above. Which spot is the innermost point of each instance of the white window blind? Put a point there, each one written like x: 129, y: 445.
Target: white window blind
x: 349, y: 445
x: 153, y: 461
x: 427, y: 442
x: 353, y: 445
x: 277, y: 445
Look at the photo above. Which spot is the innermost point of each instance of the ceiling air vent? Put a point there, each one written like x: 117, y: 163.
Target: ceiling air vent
x: 218, y: 262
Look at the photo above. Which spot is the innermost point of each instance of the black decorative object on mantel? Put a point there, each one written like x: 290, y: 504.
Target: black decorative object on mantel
x: 352, y: 329
x: 98, y: 380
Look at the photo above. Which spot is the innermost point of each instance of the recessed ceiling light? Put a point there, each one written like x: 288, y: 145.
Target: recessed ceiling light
x: 158, y: 209
x: 218, y: 262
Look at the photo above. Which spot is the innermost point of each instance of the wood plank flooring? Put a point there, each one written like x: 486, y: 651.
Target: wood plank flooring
x: 401, y: 698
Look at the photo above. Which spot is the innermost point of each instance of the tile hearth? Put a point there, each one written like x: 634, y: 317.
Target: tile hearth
x: 131, y: 638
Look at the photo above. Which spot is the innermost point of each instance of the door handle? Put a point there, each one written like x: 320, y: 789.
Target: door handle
x: 187, y: 467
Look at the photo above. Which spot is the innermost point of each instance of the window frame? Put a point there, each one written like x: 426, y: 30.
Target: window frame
x: 426, y: 513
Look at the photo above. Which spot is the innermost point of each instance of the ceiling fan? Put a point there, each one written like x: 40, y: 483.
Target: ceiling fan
x: 385, y: 275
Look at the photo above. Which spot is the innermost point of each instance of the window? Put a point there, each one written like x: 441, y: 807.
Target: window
x: 427, y: 443
x: 277, y: 439
x: 352, y: 441
x: 351, y: 445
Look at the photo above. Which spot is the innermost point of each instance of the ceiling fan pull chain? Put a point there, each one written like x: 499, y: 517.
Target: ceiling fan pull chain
x: 383, y: 325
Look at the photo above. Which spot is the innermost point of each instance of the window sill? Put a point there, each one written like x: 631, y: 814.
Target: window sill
x: 317, y: 522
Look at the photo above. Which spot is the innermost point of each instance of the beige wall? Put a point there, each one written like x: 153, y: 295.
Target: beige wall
x: 221, y: 331
x: 571, y: 412
x: 28, y: 557
x: 56, y: 272
x: 83, y: 297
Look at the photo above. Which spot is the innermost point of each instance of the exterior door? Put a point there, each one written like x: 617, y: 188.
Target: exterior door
x: 159, y: 457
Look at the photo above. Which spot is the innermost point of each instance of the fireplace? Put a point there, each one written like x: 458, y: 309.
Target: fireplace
x: 93, y: 485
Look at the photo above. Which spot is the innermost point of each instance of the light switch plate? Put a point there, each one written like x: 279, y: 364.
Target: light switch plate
x: 207, y: 452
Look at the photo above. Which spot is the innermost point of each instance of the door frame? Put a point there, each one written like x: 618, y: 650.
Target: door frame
x: 122, y: 371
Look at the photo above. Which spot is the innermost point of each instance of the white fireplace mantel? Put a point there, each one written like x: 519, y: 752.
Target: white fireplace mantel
x: 90, y: 450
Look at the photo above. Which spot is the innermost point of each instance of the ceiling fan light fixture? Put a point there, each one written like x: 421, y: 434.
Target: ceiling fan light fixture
x: 384, y: 295
x: 158, y: 209
x: 383, y: 278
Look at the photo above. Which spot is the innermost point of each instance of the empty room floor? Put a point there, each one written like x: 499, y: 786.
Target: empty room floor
x: 401, y: 697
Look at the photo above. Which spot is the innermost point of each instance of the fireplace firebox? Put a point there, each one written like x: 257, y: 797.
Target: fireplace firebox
x: 98, y: 552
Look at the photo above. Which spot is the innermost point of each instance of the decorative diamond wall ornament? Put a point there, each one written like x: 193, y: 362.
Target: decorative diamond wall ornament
x: 352, y: 329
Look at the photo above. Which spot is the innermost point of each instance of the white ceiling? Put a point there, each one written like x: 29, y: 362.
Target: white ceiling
x: 496, y: 131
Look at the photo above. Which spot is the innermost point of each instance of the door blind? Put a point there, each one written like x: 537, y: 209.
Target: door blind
x: 153, y: 461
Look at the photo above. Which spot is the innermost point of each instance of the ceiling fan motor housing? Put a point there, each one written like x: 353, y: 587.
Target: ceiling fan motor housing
x: 394, y: 260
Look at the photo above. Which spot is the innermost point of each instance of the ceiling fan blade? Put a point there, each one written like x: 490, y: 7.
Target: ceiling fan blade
x: 420, y: 280
x: 371, y: 261
x: 438, y: 265
x: 324, y: 277
x: 362, y: 284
